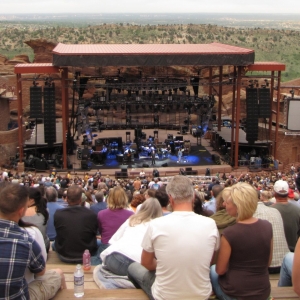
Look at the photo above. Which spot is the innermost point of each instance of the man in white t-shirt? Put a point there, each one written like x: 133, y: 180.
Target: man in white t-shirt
x: 177, y: 249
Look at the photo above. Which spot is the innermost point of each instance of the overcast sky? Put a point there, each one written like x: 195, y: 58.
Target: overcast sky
x: 148, y: 6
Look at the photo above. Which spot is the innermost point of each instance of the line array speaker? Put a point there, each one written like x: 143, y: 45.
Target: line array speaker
x: 264, y: 96
x: 49, y: 116
x: 36, y: 102
x: 252, y: 115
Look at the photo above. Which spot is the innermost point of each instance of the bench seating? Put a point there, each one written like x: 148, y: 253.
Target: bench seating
x: 92, y: 291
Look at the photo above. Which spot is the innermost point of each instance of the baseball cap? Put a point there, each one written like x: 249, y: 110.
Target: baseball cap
x: 281, y: 187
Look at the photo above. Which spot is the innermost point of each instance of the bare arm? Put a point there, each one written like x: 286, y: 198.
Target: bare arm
x: 148, y: 260
x: 223, y: 258
x: 296, y: 270
x: 271, y: 253
x: 41, y: 273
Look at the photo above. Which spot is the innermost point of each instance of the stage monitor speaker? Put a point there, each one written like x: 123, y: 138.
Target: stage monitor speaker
x: 164, y: 165
x: 84, y: 165
x: 124, y: 170
x: 36, y: 102
x: 145, y: 166
x: 188, y: 169
x: 49, y: 115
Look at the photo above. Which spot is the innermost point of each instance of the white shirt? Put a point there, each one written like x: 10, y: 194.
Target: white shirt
x: 184, y: 244
x: 127, y: 241
x: 36, y: 234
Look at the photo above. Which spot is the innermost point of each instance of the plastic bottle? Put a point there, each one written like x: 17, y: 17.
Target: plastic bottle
x: 86, y: 260
x: 78, y: 282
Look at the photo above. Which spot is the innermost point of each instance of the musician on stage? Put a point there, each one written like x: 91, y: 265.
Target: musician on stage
x: 153, y: 156
x: 179, y: 154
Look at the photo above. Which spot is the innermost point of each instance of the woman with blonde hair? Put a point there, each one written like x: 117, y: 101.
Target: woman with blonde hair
x: 125, y: 245
x: 110, y: 219
x: 241, y: 271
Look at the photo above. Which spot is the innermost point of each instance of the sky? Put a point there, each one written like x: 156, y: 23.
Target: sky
x: 149, y: 6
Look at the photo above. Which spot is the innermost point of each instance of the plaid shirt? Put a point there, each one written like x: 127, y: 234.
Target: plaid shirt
x: 18, y: 251
x: 280, y: 247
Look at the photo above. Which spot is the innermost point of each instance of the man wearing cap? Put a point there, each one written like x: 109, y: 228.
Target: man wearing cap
x: 290, y: 213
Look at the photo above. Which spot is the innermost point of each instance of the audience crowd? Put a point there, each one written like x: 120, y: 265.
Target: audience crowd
x: 248, y: 224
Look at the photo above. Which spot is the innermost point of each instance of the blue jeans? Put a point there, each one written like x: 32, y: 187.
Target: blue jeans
x: 285, y: 278
x: 141, y: 278
x: 118, y: 263
x: 214, y: 278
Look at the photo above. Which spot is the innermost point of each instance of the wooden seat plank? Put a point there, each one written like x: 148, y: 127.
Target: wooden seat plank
x: 128, y: 294
x: 286, y: 293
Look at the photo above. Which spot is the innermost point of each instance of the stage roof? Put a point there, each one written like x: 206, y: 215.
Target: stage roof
x: 151, y: 55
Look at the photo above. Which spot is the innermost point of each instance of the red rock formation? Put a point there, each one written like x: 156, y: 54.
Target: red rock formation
x: 42, y: 50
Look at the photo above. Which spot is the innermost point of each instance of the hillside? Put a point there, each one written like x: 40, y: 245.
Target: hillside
x: 280, y: 45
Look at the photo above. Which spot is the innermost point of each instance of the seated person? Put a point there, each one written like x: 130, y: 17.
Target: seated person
x: 110, y: 219
x: 246, y: 249
x: 76, y: 228
x: 125, y: 244
x: 20, y: 252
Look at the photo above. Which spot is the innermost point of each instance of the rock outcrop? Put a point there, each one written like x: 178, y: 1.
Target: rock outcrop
x: 42, y: 50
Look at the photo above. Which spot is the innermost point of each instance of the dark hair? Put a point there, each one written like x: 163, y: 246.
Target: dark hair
x: 74, y: 194
x: 198, y: 206
x: 162, y: 197
x: 13, y: 196
x: 39, y: 202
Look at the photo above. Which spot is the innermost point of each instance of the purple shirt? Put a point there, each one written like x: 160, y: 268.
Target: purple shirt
x: 110, y: 220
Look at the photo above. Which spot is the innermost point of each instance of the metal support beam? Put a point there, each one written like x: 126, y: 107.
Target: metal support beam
x: 277, y: 116
x: 238, y: 116
x: 20, y: 116
x: 65, y: 110
x: 233, y: 116
x: 220, y: 97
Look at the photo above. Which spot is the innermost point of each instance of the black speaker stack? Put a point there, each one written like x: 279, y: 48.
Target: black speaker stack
x: 264, y: 103
x: 252, y: 115
x: 49, y: 115
x: 36, y: 102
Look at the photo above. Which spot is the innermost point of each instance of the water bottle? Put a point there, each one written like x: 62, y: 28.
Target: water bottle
x: 86, y: 260
x: 78, y: 282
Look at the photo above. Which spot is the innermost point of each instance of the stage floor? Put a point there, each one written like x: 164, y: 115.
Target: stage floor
x: 198, y: 155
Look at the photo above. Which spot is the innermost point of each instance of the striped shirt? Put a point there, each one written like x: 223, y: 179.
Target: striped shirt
x: 18, y: 251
